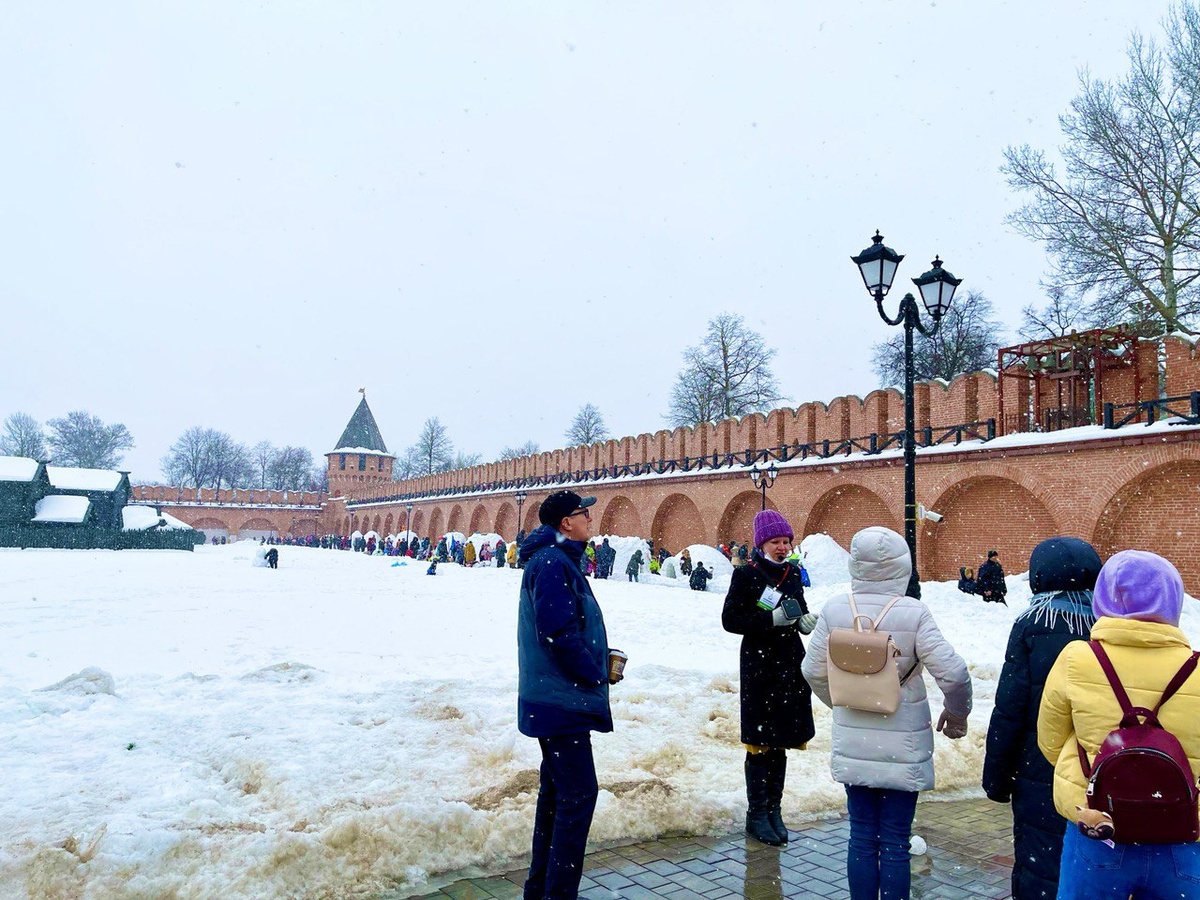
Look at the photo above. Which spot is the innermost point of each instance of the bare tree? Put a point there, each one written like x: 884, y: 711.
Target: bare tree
x: 967, y: 341
x: 465, y: 460
x: 262, y: 455
x: 290, y: 469
x: 83, y: 440
x: 727, y: 374
x: 188, y: 461
x: 1122, y: 224
x: 526, y: 449
x: 1058, y: 317
x: 205, y: 457
x: 23, y: 437
x: 587, y: 428
x: 433, y: 452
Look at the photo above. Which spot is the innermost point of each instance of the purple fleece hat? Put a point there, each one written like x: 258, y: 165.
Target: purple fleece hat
x: 770, y: 524
x: 1137, y: 584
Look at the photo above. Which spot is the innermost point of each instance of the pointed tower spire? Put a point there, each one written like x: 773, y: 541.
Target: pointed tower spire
x: 362, y: 433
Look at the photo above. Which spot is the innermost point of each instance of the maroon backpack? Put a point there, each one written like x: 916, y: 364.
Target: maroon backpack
x: 1141, y: 775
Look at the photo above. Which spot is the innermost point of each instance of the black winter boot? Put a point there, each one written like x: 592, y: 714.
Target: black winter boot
x: 776, y: 759
x: 758, y: 825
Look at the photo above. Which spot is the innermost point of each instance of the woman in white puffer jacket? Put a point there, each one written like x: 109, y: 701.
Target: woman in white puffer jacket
x: 885, y: 760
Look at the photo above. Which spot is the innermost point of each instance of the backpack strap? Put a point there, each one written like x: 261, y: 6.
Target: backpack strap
x: 1185, y: 672
x: 856, y: 615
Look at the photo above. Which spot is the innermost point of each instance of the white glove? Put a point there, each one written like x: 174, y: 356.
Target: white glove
x: 808, y: 622
x: 779, y: 617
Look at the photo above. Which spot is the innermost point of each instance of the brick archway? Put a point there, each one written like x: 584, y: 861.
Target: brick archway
x: 479, y: 519
x: 677, y: 524
x: 506, y: 519
x: 455, y: 521
x: 418, y: 523
x: 211, y: 526
x: 387, y: 525
x: 305, y: 527
x: 436, y: 524
x: 843, y: 511
x: 971, y: 508
x: 258, y: 527
x: 531, y: 516
x: 621, y: 518
x: 345, y: 526
x: 737, y: 522
x: 1149, y: 512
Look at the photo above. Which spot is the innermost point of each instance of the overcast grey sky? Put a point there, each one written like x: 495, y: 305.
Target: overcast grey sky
x: 235, y: 215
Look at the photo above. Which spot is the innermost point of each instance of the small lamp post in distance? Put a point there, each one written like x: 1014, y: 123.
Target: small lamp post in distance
x: 763, y: 479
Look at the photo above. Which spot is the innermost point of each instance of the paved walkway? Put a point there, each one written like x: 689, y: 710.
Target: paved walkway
x: 969, y: 856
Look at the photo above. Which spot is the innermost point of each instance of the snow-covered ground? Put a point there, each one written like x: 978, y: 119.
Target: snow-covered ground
x: 189, y: 725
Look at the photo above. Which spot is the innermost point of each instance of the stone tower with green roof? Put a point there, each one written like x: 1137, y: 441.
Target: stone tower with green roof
x: 361, y: 457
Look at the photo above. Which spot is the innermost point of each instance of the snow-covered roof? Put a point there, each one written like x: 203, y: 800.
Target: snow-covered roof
x: 363, y: 450
x: 139, y: 518
x: 17, y: 468
x: 61, y: 508
x: 68, y: 479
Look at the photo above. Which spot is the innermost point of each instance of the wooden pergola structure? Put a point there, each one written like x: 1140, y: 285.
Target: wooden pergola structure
x: 1060, y: 382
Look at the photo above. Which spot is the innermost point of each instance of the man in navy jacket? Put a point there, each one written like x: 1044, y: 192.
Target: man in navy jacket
x: 562, y: 652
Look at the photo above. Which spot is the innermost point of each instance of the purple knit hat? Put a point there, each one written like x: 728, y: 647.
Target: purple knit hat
x: 770, y: 524
x: 1137, y: 584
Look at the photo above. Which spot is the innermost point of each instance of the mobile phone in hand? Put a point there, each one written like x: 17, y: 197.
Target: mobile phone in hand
x: 791, y: 607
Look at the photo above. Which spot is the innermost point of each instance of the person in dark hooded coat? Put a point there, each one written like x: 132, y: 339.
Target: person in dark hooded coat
x: 1062, y: 573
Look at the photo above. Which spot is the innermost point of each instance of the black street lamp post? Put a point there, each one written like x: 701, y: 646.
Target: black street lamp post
x: 763, y: 479
x: 519, y: 496
x: 411, y: 533
x: 878, y: 265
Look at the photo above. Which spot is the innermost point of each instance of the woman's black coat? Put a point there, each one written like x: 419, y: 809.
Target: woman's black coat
x: 776, y: 700
x: 1014, y: 768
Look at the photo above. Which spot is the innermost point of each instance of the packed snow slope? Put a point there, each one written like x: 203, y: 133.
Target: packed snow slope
x: 189, y: 725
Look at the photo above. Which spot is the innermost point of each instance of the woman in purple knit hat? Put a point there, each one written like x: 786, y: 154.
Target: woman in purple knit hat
x: 766, y: 606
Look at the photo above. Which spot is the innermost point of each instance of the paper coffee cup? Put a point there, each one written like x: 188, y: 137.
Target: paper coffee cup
x: 616, y: 664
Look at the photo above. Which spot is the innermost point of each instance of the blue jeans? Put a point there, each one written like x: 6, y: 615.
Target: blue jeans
x: 877, y: 866
x: 565, y: 803
x: 1091, y: 869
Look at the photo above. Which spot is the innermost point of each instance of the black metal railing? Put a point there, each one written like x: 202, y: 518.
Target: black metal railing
x: 1186, y: 408
x: 868, y: 445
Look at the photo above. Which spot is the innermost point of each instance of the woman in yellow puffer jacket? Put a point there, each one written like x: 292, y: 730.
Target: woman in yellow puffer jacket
x: 1137, y: 600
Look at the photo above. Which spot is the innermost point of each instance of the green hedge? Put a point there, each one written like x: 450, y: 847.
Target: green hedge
x: 89, y: 537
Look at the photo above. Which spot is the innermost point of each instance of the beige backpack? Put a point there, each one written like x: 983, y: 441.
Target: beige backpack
x: 863, y: 673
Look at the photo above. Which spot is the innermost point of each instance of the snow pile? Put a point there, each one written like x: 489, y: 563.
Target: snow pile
x: 825, y: 560
x: 346, y: 727
x: 67, y: 478
x: 625, y: 547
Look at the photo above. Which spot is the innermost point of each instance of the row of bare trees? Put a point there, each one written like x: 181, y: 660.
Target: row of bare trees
x: 78, y: 439
x: 209, y: 458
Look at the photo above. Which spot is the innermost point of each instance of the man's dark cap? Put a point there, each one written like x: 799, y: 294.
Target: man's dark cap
x: 561, y: 504
x: 992, y: 553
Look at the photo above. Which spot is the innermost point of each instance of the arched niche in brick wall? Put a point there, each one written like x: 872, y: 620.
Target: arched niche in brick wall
x: 980, y: 514
x: 305, y: 527
x: 737, y: 522
x: 621, y: 518
x: 437, y: 524
x: 844, y: 510
x: 1155, y: 511
x: 258, y: 524
x: 211, y: 523
x: 418, y: 527
x: 455, y: 521
x: 376, y: 524
x: 479, y: 520
x: 677, y: 524
x: 506, y: 521
x: 531, y: 515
